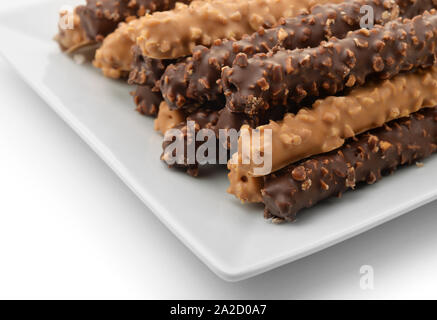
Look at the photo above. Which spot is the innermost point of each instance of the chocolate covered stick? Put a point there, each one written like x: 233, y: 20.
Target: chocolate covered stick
x: 168, y: 119
x: 283, y: 76
x: 203, y: 119
x: 115, y: 56
x: 101, y: 17
x: 329, y: 122
x: 146, y: 72
x: 71, y: 39
x: 147, y: 100
x: 174, y: 33
x: 412, y: 8
x: 364, y: 159
x: 196, y: 81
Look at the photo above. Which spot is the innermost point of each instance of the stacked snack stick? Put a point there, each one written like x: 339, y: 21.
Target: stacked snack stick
x: 281, y: 77
x: 96, y: 19
x: 342, y: 106
x: 74, y: 38
x: 174, y: 33
x: 101, y: 17
x: 329, y: 122
x: 196, y: 80
x: 383, y: 51
x: 205, y: 65
x: 364, y: 159
x: 202, y: 119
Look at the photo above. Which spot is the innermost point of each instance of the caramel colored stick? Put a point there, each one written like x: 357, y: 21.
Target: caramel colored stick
x: 173, y: 34
x: 115, y: 57
x: 196, y: 80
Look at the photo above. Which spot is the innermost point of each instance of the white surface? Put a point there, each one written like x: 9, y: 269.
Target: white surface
x: 69, y: 228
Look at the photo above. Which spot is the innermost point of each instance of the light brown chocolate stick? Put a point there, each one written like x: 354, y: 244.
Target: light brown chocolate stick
x: 173, y: 34
x: 168, y: 119
x: 330, y: 121
x: 114, y: 57
x: 364, y: 159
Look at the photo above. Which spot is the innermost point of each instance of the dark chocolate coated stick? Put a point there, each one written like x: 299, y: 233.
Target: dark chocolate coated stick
x: 146, y: 73
x: 412, y: 8
x: 101, y: 17
x: 364, y: 159
x: 284, y: 76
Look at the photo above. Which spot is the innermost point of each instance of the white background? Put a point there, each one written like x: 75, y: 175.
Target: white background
x: 69, y: 228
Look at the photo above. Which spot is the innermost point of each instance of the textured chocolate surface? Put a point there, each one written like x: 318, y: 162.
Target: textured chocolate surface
x: 174, y: 33
x: 197, y: 80
x: 146, y: 72
x: 329, y: 123
x: 364, y: 159
x: 101, y: 17
x: 412, y: 8
x: 283, y: 76
x: 72, y: 40
x: 204, y: 119
x: 147, y: 100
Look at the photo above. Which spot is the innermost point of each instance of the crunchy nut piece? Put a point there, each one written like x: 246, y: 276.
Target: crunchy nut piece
x: 419, y: 164
x: 355, y: 162
x: 374, y: 101
x: 168, y: 35
x: 385, y: 145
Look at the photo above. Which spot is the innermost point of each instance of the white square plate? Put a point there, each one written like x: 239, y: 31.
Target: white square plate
x: 233, y: 240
